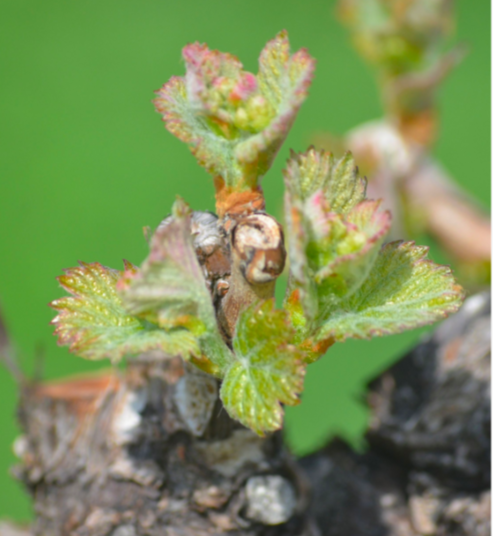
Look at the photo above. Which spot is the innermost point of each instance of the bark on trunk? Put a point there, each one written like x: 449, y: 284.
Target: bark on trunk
x: 150, y: 451
x: 427, y: 469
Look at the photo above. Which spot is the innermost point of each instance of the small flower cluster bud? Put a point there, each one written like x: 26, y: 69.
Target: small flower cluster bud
x: 226, y: 94
x: 238, y: 102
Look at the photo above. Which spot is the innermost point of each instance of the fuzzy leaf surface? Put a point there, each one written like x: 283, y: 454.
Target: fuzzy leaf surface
x: 355, y: 249
x: 95, y: 325
x: 170, y: 288
x: 404, y: 290
x: 268, y: 370
x: 334, y: 233
x: 309, y: 172
x: 235, y: 121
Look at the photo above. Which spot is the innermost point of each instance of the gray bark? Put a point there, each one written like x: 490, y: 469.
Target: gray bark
x: 427, y: 468
x: 150, y: 451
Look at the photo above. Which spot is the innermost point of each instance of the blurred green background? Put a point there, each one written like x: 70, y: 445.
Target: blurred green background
x: 86, y: 162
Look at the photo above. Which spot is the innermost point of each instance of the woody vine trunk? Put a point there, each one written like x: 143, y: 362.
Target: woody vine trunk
x: 129, y: 454
x: 151, y: 449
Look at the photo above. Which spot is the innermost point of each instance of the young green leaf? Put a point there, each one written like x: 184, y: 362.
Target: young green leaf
x: 334, y: 233
x: 170, y: 287
x: 304, y: 306
x: 268, y: 369
x: 95, y: 325
x: 234, y: 121
x: 403, y: 291
x: 399, y: 37
x: 356, y: 247
x: 408, y: 43
x: 283, y: 81
x: 308, y: 172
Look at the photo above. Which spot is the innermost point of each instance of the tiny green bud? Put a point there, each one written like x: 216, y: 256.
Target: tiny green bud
x: 241, y: 119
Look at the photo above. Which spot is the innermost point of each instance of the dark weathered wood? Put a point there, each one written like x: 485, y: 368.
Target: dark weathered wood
x: 150, y: 451
x: 138, y: 454
x: 432, y: 409
x: 427, y: 469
